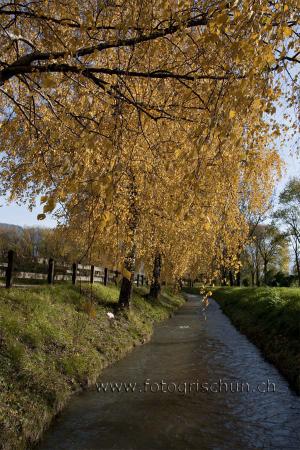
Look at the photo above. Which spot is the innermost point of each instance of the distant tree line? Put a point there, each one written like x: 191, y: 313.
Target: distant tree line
x: 33, y: 243
x: 272, y: 254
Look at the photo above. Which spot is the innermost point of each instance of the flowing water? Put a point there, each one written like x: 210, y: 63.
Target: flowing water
x: 193, y: 347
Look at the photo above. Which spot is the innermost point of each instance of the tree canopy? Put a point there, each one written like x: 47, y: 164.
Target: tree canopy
x: 146, y: 124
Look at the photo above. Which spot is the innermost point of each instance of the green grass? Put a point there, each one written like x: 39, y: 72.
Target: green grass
x: 270, y: 317
x: 55, y: 341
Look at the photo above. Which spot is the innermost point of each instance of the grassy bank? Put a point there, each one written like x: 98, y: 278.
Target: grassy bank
x: 270, y: 317
x: 56, y: 340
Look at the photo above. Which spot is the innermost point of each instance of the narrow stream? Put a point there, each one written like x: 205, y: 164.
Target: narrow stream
x: 192, y: 347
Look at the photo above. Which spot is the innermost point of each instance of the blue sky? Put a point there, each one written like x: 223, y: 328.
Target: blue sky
x: 20, y: 215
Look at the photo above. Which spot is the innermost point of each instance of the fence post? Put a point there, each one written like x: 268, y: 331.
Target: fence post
x: 138, y: 280
x: 9, y: 269
x: 92, y: 274
x: 51, y: 271
x: 105, y: 276
x: 74, y: 273
x: 142, y: 282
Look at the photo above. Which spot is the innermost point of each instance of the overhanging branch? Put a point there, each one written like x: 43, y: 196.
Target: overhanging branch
x: 26, y: 60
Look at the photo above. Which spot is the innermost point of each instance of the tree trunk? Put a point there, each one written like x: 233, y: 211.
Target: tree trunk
x: 265, y: 271
x: 238, y: 275
x: 231, y: 280
x: 238, y: 278
x: 129, y: 264
x: 298, y: 269
x: 257, y: 277
x: 297, y: 263
x: 223, y: 276
x: 127, y: 280
x: 252, y: 278
x: 180, y: 284
x: 155, y: 287
x: 257, y: 269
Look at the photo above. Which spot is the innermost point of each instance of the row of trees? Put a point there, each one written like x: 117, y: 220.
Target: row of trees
x: 266, y: 257
x: 289, y: 216
x: 149, y: 123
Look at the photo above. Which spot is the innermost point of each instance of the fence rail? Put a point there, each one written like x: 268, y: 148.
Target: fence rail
x: 51, y: 271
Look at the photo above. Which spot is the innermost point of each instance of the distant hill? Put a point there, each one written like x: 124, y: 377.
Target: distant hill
x: 11, y: 226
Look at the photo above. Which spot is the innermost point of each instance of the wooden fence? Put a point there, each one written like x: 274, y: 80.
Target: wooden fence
x: 50, y: 271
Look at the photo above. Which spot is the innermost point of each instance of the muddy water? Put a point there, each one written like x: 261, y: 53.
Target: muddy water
x: 192, y: 347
